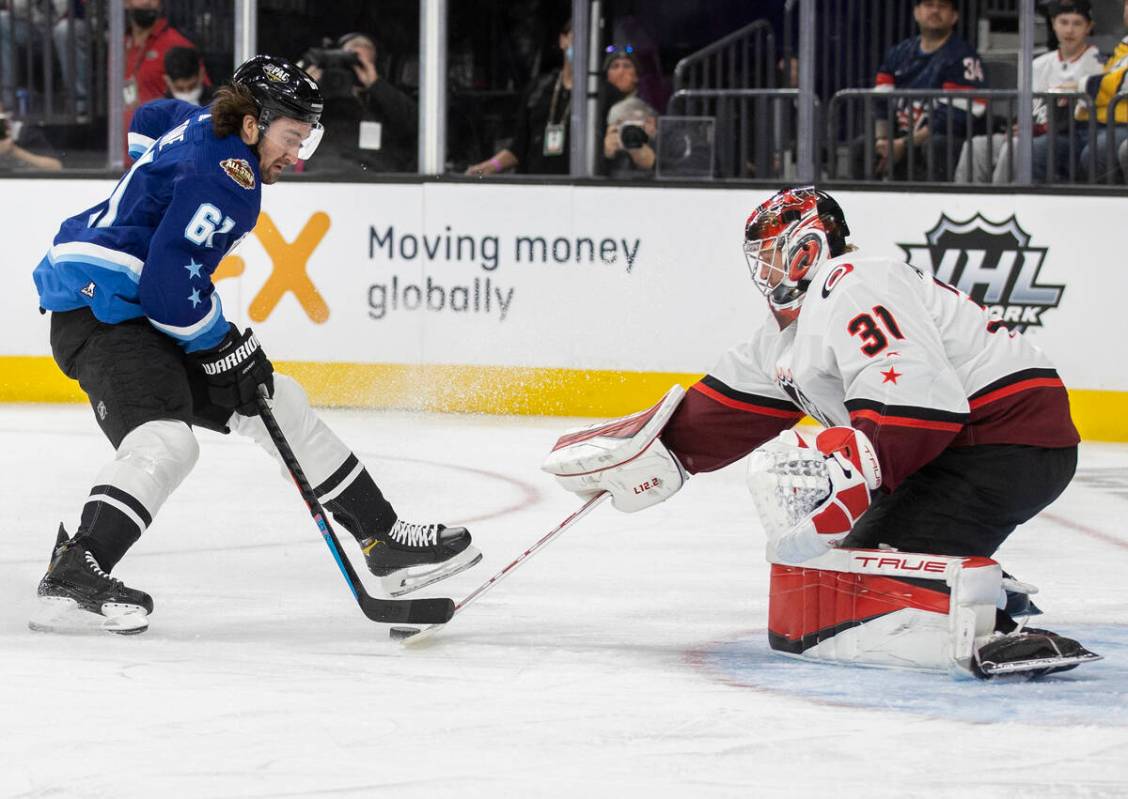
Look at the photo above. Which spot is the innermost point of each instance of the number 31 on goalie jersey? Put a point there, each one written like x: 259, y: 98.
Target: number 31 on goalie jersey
x: 874, y: 339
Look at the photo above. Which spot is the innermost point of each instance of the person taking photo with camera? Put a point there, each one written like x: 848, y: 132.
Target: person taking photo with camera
x: 371, y: 125
x: 632, y: 124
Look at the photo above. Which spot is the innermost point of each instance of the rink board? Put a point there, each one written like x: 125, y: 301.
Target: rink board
x: 581, y: 300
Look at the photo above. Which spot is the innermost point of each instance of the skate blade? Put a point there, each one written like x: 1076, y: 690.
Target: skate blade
x: 413, y: 578
x: 1037, y: 664
x: 62, y: 615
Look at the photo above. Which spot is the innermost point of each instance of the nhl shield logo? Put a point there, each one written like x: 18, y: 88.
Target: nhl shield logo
x: 993, y: 263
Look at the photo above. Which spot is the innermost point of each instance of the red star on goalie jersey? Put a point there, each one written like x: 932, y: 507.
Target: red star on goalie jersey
x: 891, y: 376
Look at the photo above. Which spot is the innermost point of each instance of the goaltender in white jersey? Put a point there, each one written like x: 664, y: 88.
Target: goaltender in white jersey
x: 944, y: 431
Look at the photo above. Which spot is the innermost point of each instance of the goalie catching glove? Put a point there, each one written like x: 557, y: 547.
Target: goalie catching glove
x: 810, y: 497
x: 623, y: 457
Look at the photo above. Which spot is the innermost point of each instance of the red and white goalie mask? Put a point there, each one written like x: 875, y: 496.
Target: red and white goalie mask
x: 785, y: 242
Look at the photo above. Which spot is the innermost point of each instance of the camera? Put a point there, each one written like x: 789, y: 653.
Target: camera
x: 632, y: 135
x: 337, y: 75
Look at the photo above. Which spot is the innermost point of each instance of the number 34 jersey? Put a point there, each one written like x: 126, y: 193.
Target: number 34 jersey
x: 880, y: 346
x: 149, y: 249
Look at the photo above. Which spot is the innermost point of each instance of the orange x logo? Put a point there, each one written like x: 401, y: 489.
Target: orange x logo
x: 289, y: 272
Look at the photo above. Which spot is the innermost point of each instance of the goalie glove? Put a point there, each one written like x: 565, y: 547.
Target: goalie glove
x: 623, y: 457
x: 809, y: 497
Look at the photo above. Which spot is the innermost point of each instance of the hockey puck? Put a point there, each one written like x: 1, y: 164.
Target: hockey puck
x: 399, y: 633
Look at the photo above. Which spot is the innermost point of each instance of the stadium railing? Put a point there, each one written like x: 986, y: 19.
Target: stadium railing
x: 745, y: 59
x: 756, y: 133
x: 854, y: 113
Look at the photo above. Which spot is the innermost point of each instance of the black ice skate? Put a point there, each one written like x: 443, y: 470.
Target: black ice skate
x: 1029, y: 653
x: 411, y: 556
x: 75, y: 587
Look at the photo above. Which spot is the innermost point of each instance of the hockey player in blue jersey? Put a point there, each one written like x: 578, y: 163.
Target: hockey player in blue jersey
x: 135, y: 319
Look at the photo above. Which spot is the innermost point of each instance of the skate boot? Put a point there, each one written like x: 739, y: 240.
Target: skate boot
x: 411, y: 556
x: 75, y: 587
x: 1029, y: 653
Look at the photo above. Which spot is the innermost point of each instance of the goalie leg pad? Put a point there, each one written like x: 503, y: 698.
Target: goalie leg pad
x: 882, y: 608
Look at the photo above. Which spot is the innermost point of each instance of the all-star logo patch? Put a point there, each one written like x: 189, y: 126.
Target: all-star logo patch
x: 276, y: 73
x: 239, y: 171
x: 993, y: 263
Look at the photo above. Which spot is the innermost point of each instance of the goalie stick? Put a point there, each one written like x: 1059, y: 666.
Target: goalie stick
x: 387, y: 611
x: 410, y: 635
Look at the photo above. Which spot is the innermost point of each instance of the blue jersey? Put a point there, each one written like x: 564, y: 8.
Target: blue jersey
x: 955, y: 66
x: 149, y: 250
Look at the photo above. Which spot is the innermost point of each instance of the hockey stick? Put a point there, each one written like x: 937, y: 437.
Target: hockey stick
x: 408, y: 635
x: 388, y: 611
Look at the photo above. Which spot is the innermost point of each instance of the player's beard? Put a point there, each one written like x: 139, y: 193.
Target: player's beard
x: 270, y: 174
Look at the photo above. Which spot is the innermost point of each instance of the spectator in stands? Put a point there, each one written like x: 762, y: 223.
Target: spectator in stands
x: 20, y: 23
x: 24, y: 146
x: 935, y: 59
x: 370, y: 124
x: 147, y: 41
x: 989, y: 157
x: 540, y: 143
x: 1103, y: 88
x: 632, y: 129
x: 631, y: 123
x: 184, y: 76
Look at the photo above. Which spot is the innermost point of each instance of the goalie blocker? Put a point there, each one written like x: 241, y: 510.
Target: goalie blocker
x: 623, y: 457
x: 871, y: 607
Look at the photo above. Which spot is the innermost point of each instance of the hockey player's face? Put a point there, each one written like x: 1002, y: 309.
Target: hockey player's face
x: 766, y: 264
x: 280, y: 146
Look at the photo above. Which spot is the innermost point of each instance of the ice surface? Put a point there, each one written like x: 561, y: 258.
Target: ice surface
x: 626, y: 659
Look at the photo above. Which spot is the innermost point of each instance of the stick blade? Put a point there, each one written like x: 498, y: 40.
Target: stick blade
x: 408, y: 611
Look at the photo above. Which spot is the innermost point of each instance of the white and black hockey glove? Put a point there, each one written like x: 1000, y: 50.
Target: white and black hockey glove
x: 810, y: 495
x: 234, y: 370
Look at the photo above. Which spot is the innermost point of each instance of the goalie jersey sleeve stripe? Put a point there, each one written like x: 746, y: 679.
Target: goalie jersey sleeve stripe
x: 753, y: 403
x: 1013, y: 383
x: 716, y: 425
x: 1030, y: 406
x: 907, y: 416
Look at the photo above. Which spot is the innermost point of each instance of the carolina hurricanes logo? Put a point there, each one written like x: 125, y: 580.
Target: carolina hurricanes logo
x: 804, y: 254
x: 239, y: 171
x: 836, y: 274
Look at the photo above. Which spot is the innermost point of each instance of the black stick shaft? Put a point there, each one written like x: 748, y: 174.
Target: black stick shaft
x: 426, y: 611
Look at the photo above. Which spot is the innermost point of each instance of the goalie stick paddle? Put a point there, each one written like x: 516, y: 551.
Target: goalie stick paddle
x: 412, y: 636
x: 387, y: 611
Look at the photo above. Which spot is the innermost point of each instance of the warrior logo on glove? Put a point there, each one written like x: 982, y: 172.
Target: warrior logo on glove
x: 234, y: 359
